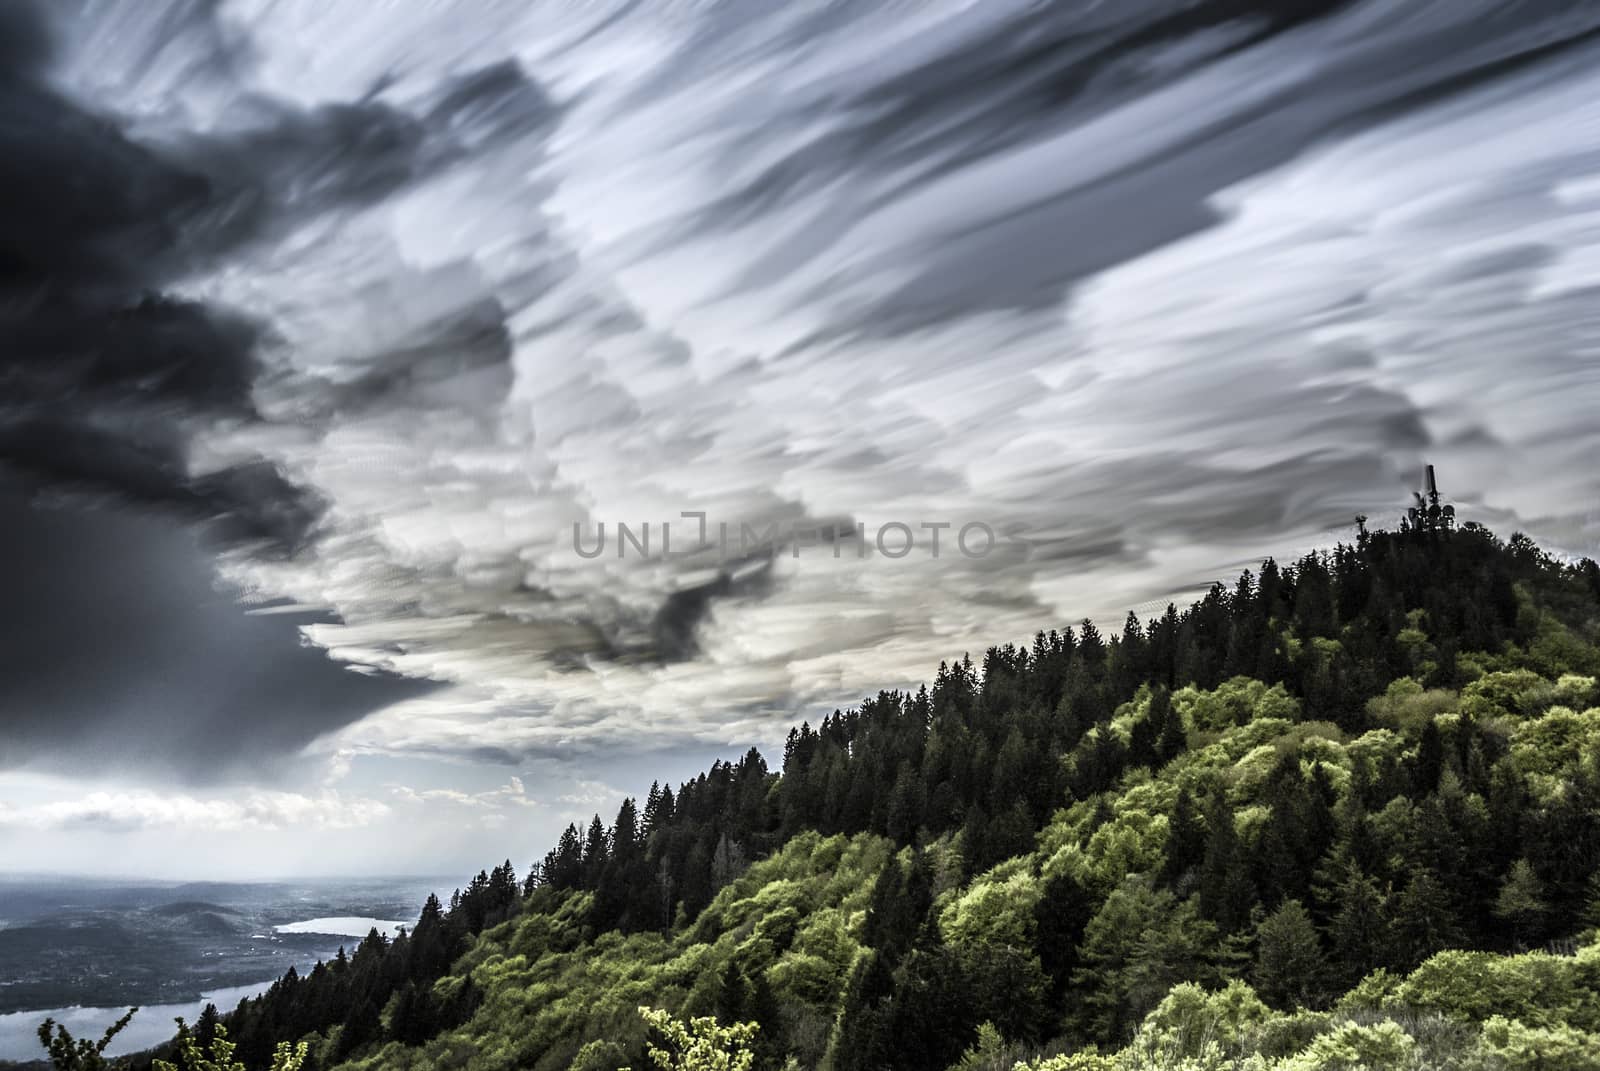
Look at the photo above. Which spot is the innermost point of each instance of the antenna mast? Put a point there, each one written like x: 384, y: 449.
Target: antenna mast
x: 1427, y: 515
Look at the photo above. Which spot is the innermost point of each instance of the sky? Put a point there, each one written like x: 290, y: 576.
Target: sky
x: 339, y: 340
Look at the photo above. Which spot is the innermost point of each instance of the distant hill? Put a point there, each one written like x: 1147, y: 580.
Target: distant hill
x: 96, y: 943
x: 191, y: 907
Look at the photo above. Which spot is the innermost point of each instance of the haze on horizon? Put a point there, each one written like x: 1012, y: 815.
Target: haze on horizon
x: 323, y: 325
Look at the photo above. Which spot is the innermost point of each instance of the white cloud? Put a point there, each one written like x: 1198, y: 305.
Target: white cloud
x: 511, y: 794
x: 591, y: 793
x: 137, y: 810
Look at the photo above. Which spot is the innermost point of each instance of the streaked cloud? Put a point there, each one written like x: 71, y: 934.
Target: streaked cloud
x: 1150, y: 301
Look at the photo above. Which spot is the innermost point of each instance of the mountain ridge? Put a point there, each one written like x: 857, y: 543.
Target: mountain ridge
x: 1295, y: 794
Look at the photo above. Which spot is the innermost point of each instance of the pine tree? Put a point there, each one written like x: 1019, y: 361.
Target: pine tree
x: 1430, y: 759
x: 595, y: 853
x: 652, y: 819
x: 864, y: 1041
x: 360, y: 1026
x: 563, y: 867
x: 414, y: 1018
x: 1424, y: 920
x: 1141, y: 943
x: 534, y: 880
x: 1226, y: 892
x: 1522, y: 903
x: 1359, y: 932
x: 502, y: 893
x: 1186, y: 840
x: 733, y: 994
x: 1289, y: 959
x: 625, y: 831
x: 1142, y: 740
x: 1173, y: 738
x: 1063, y: 911
x: 906, y: 802
x: 727, y: 862
x: 205, y: 1027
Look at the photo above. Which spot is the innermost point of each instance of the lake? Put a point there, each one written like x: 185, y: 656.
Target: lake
x: 152, y: 1026
x: 345, y: 926
x: 84, y: 950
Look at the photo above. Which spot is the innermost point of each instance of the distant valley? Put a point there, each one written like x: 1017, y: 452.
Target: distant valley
x: 65, y: 942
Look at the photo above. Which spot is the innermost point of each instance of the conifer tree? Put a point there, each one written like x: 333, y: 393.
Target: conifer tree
x: 1359, y: 933
x: 1522, y: 903
x: 1226, y: 892
x: 1423, y: 920
x: 596, y: 851
x: 1289, y: 964
x: 1186, y: 839
x: 1060, y: 917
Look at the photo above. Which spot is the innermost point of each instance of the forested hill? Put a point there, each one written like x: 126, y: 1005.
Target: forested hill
x: 1243, y: 833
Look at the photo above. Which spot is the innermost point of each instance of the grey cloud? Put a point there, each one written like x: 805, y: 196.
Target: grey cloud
x: 1154, y: 287
x: 121, y: 655
x: 109, y: 375
x: 104, y: 374
x: 1250, y: 85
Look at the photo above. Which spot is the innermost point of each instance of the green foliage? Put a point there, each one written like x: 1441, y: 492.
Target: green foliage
x: 1189, y: 1021
x: 699, y: 1044
x: 1521, y: 902
x: 1235, y: 702
x: 997, y: 908
x: 218, y: 1055
x: 991, y: 1052
x: 1290, y: 965
x: 1507, y: 1043
x: 67, y: 1053
x: 1088, y: 1060
x: 1142, y: 942
x: 1533, y: 987
x: 1407, y: 706
x: 1357, y: 1047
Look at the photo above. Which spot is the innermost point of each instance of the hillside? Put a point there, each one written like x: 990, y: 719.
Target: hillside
x: 1345, y: 813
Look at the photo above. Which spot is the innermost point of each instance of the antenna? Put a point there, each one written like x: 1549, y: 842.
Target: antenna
x: 1427, y: 515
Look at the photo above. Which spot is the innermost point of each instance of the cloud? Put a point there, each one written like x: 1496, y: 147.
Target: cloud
x: 511, y: 794
x: 107, y: 374
x: 590, y: 793
x: 947, y: 300
x: 124, y: 656
x: 130, y: 811
x: 1148, y: 289
x: 113, y: 375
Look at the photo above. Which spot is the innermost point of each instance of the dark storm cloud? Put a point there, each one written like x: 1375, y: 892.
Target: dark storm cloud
x: 289, y: 165
x: 103, y: 375
x: 119, y: 654
x: 106, y: 374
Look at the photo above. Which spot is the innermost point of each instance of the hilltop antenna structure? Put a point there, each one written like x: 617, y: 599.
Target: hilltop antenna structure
x: 1428, y: 515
